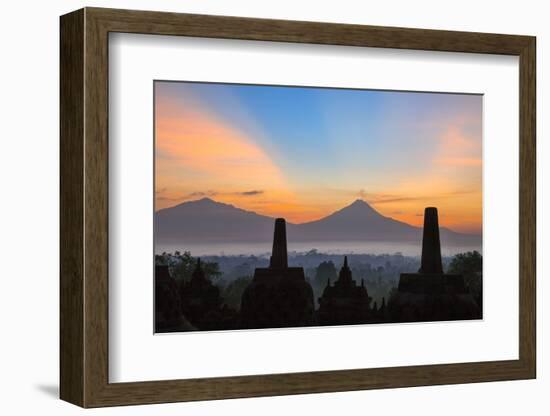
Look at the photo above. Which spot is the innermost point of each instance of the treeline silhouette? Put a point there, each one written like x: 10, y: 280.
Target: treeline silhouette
x: 379, y: 281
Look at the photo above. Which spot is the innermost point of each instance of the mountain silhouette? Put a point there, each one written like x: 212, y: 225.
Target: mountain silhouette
x: 356, y: 222
x: 206, y: 220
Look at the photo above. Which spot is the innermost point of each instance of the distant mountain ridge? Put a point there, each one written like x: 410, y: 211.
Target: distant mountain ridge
x: 209, y: 221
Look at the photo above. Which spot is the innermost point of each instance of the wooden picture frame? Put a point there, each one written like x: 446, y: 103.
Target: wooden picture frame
x: 84, y: 207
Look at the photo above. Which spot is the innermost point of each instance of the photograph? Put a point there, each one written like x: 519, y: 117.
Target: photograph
x: 298, y: 206
x: 327, y: 203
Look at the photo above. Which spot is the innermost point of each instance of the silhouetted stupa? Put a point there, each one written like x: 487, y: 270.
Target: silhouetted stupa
x: 278, y: 296
x: 201, y: 301
x: 345, y: 302
x: 431, y: 294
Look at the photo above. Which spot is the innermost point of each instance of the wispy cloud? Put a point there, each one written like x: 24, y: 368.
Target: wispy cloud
x: 399, y: 199
x: 199, y: 194
x: 162, y: 196
x: 382, y: 198
x: 167, y: 199
x: 250, y: 193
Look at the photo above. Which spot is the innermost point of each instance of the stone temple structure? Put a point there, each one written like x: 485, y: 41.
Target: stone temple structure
x: 201, y: 302
x: 278, y: 296
x: 345, y: 302
x: 431, y: 294
x: 168, y: 311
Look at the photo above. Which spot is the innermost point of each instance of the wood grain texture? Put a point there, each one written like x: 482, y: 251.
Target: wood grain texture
x: 96, y: 217
x: 71, y: 213
x: 527, y: 207
x: 162, y: 23
x: 84, y: 207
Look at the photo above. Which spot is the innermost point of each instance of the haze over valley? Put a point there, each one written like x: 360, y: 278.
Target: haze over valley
x: 207, y: 227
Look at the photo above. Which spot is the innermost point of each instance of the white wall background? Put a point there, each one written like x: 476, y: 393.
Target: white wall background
x: 29, y: 160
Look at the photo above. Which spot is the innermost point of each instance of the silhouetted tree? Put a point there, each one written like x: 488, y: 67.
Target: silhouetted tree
x: 469, y: 265
x: 182, y: 265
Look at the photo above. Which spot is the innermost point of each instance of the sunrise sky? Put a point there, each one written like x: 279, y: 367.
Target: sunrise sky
x: 303, y: 153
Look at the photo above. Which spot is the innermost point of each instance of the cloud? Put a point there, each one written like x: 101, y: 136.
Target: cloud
x: 167, y: 199
x: 380, y: 198
x: 210, y: 193
x: 162, y: 197
x: 201, y: 194
x: 400, y: 199
x: 250, y: 193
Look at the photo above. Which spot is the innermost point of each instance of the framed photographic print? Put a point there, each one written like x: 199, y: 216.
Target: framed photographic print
x: 255, y: 207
